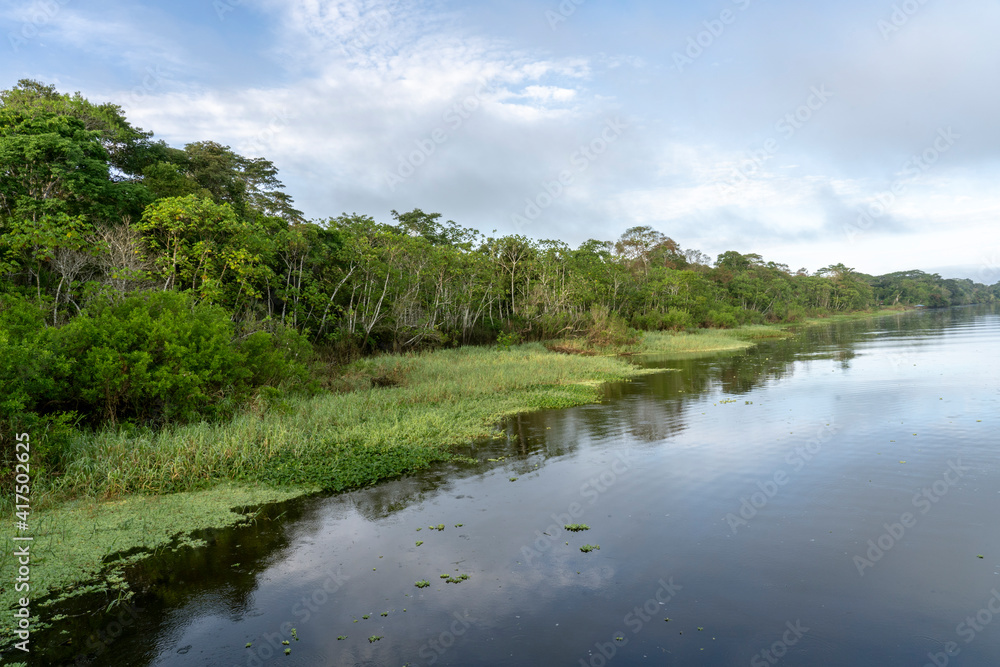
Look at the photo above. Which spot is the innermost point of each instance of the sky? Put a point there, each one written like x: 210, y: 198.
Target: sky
x: 862, y: 132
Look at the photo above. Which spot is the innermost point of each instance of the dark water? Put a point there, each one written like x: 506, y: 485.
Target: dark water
x: 816, y: 501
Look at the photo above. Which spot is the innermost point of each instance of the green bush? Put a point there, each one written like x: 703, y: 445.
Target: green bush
x: 31, y: 380
x: 722, y: 317
x: 159, y: 356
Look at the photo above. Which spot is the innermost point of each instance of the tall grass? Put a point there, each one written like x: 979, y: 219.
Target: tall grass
x: 394, y: 414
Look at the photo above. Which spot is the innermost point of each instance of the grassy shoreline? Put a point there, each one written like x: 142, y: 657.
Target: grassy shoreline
x: 144, y: 490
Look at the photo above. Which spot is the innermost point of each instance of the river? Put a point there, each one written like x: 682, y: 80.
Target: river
x: 830, y: 499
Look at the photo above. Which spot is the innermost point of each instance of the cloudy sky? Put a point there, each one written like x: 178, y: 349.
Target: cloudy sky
x: 862, y: 132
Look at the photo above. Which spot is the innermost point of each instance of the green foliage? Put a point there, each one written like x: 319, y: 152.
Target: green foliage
x: 153, y: 356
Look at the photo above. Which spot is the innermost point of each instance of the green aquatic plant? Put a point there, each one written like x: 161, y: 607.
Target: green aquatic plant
x: 374, y: 638
x: 423, y: 583
x: 587, y: 548
x: 576, y: 527
x: 440, y: 526
x: 419, y: 542
x: 341, y: 637
x: 366, y: 616
x: 455, y: 580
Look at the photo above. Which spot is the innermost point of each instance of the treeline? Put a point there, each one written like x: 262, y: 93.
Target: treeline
x: 145, y: 283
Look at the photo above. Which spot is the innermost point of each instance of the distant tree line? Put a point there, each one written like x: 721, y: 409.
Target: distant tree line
x: 145, y: 283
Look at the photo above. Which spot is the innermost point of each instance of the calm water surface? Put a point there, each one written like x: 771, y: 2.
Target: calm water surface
x: 826, y: 500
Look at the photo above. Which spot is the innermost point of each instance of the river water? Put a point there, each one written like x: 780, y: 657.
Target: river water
x: 830, y: 499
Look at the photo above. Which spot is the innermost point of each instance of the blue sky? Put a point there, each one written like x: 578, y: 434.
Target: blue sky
x: 810, y: 133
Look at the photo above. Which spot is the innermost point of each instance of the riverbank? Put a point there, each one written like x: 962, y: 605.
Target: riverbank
x: 138, y: 491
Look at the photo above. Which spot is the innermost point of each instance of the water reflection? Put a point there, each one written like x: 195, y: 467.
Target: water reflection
x: 815, y: 445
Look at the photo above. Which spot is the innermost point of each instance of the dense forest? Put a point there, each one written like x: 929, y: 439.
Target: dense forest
x: 144, y: 284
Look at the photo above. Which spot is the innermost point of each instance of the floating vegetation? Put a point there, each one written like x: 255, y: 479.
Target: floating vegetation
x: 419, y: 542
x: 459, y: 525
x: 366, y: 616
x: 440, y: 526
x: 445, y: 576
x: 295, y: 634
x: 384, y: 613
x: 513, y: 479
x: 288, y: 651
x: 455, y: 580
x: 619, y: 638
x: 418, y: 528
x: 285, y: 643
x: 587, y: 548
x: 422, y: 584
x: 374, y: 638
x: 980, y: 556
x: 576, y: 527
x: 341, y: 638
x: 249, y: 644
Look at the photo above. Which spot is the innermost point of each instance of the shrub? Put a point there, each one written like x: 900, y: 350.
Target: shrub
x: 608, y: 329
x: 159, y: 356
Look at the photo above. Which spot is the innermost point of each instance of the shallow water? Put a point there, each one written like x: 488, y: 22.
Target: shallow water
x: 822, y: 500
